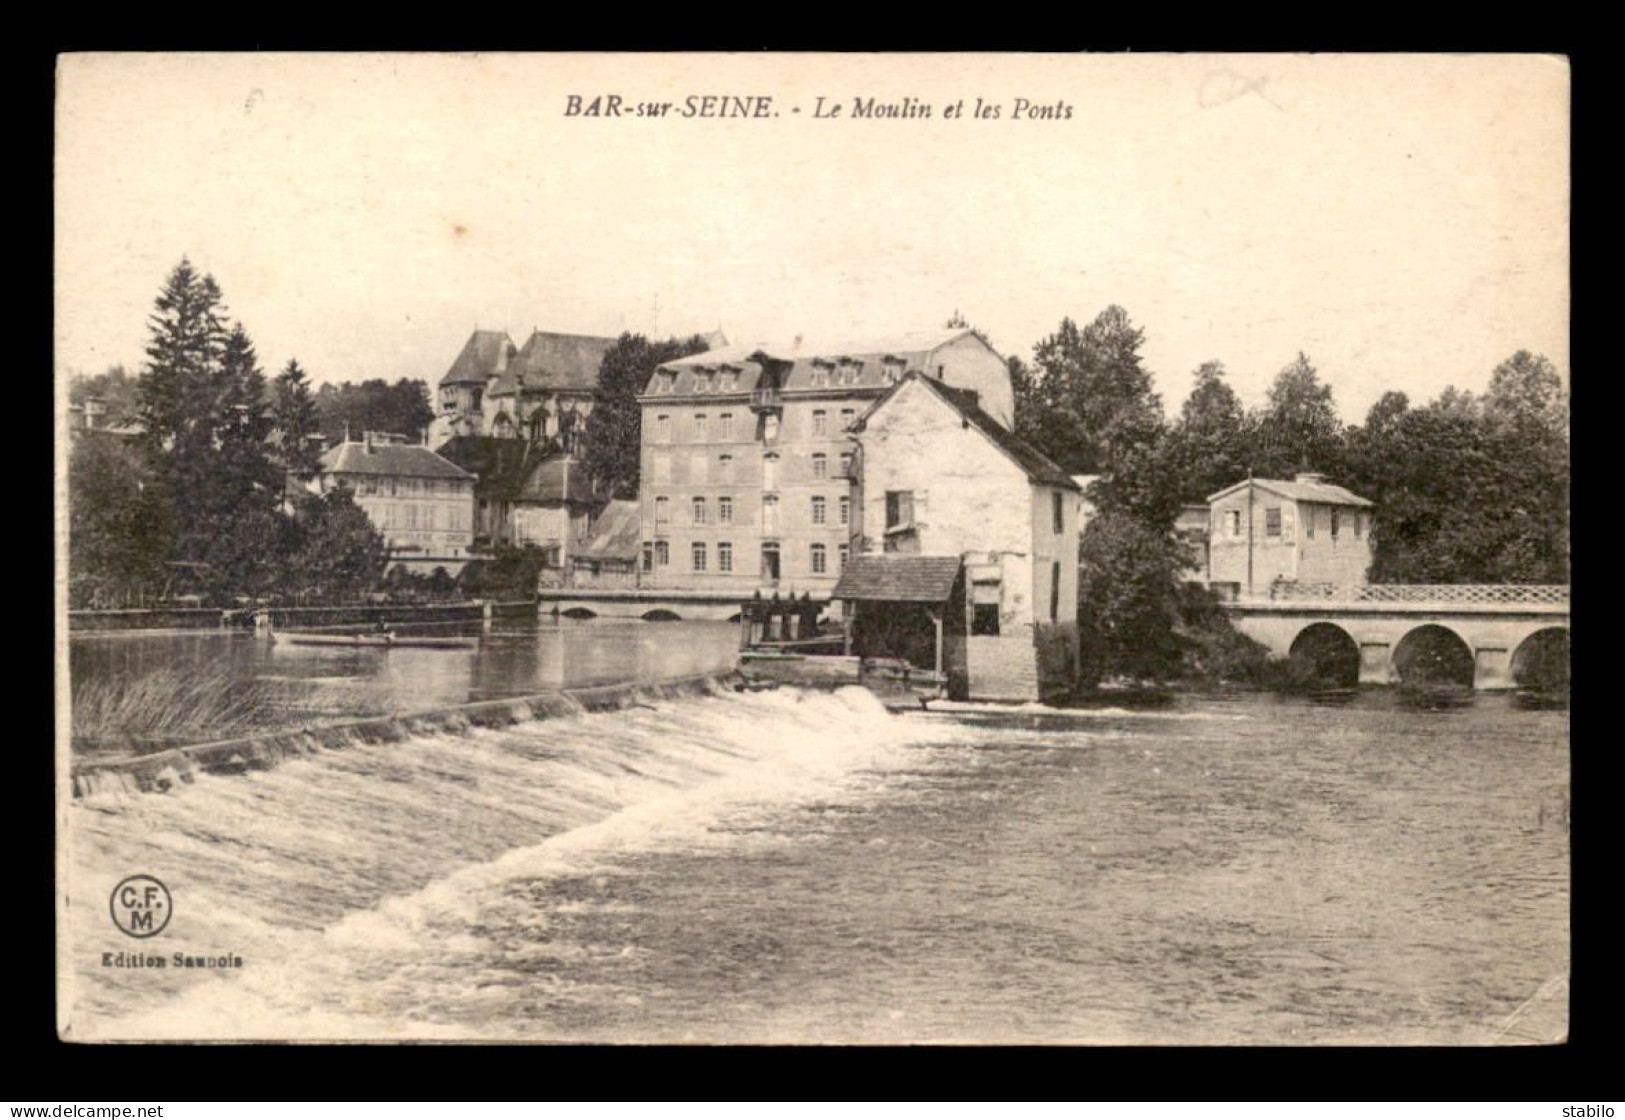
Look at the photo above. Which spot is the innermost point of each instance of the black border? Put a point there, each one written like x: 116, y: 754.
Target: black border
x: 63, y: 1072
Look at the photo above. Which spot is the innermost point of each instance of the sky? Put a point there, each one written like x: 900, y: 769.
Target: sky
x: 1401, y: 219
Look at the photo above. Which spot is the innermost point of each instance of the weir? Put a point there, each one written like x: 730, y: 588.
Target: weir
x: 158, y: 772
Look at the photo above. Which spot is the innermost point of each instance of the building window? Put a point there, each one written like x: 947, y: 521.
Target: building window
x: 730, y: 382
x: 662, y: 429
x: 662, y: 553
x: 770, y: 512
x: 841, y: 553
x: 1336, y: 518
x: 770, y: 471
x: 847, y: 417
x: 818, y: 509
x: 648, y: 556
x: 1057, y: 513
x: 662, y: 512
x: 725, y: 510
x: 725, y: 468
x: 699, y: 427
x: 725, y: 425
x: 700, y: 517
x: 844, y: 508
x: 846, y: 464
x: 852, y: 369
x: 1309, y: 522
x: 819, y: 562
x: 725, y: 556
x: 1359, y: 525
x: 1233, y: 520
x: 820, y: 465
x: 662, y: 465
x: 899, y: 509
x: 984, y: 621
x: 1272, y: 522
x: 820, y: 422
x: 699, y: 556
x: 1055, y: 591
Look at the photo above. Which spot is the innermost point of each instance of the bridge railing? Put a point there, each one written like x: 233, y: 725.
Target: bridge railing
x: 1512, y: 594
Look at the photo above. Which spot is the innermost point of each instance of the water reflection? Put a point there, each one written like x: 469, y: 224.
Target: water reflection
x: 148, y: 691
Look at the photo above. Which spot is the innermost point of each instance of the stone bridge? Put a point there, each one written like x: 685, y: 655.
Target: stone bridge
x: 1500, y: 630
x: 653, y: 605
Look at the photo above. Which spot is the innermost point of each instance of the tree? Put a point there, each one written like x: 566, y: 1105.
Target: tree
x: 1526, y: 397
x: 614, y: 427
x: 1211, y: 441
x: 295, y: 420
x: 1128, y: 599
x: 114, y: 387
x: 176, y: 392
x: 1091, y: 397
x: 1298, y: 429
x: 205, y: 420
x: 373, y: 405
x: 118, y: 521
x: 335, y: 553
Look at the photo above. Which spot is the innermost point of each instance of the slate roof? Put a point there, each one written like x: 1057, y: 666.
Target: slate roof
x: 484, y: 355
x: 898, y: 578
x: 555, y: 479
x: 1039, y: 467
x: 553, y: 362
x: 616, y: 533
x: 910, y: 351
x: 401, y: 460
x: 1323, y: 492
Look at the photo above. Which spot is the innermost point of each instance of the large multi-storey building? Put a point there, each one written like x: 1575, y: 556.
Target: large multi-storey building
x: 747, y: 461
x: 422, y: 503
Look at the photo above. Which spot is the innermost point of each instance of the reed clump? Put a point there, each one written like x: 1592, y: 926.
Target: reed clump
x: 168, y: 707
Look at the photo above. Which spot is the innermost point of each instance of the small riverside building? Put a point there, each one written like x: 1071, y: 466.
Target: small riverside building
x: 423, y: 504
x: 1308, y: 530
x: 968, y: 557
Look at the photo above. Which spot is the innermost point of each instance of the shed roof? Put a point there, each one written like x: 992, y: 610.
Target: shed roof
x: 501, y: 464
x: 898, y: 578
x: 616, y: 533
x: 1323, y: 492
x: 402, y: 460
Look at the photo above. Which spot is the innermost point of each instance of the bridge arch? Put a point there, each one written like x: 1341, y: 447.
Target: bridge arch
x: 1325, y: 655
x: 1542, y: 659
x: 578, y: 612
x: 1434, y: 654
x: 661, y: 615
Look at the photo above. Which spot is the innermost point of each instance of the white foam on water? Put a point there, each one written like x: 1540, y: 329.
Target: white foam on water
x: 342, y: 876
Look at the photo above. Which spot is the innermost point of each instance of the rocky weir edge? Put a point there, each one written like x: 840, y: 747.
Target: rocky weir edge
x: 163, y: 770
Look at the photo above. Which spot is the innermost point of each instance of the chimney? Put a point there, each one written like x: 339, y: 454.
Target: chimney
x: 1314, y: 477
x: 367, y: 438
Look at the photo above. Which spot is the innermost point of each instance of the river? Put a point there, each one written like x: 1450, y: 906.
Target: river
x: 799, y: 866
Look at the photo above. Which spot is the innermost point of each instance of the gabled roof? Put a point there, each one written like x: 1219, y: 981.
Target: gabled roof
x: 484, y: 355
x: 1039, y: 467
x: 1323, y: 492
x: 615, y: 534
x: 898, y: 578
x: 401, y: 460
x: 897, y: 353
x: 553, y: 362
